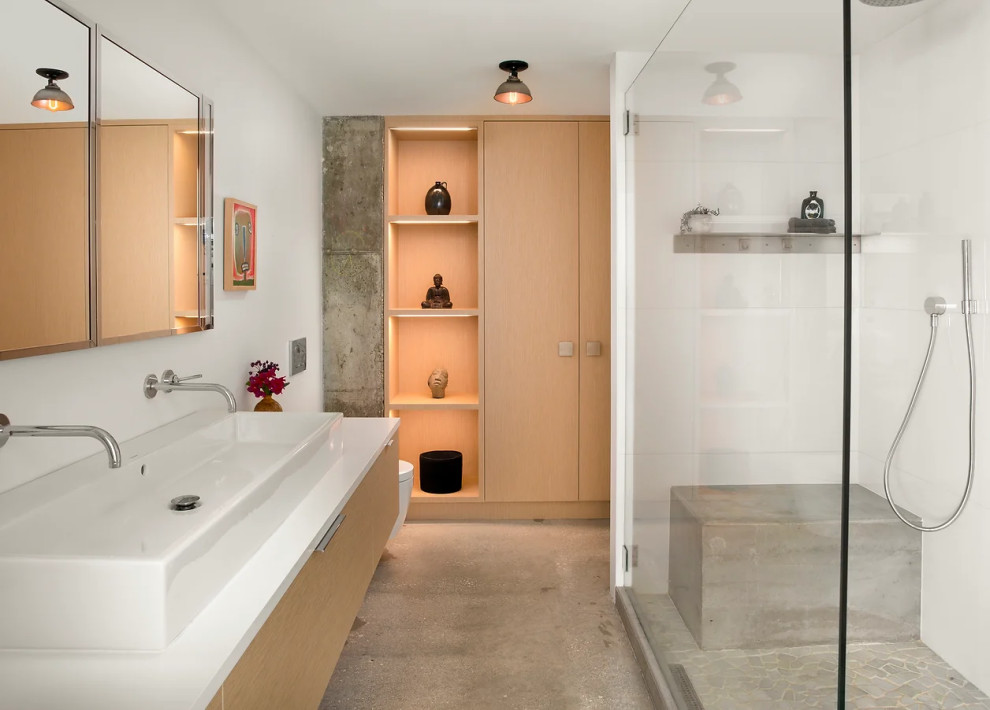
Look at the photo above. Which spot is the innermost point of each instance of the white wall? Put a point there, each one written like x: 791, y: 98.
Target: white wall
x: 734, y: 362
x: 268, y: 152
x: 925, y: 147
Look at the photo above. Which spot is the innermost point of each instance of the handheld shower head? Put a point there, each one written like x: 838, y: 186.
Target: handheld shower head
x: 888, y: 3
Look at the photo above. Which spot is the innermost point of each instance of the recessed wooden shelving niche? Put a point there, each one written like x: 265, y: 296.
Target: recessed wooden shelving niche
x: 420, y: 153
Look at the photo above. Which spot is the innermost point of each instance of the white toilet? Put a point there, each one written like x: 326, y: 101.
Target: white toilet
x: 405, y: 493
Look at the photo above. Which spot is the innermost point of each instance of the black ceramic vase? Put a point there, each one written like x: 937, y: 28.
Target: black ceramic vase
x: 438, y: 199
x: 813, y: 206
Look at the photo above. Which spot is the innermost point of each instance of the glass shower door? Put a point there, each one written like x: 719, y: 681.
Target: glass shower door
x: 735, y: 359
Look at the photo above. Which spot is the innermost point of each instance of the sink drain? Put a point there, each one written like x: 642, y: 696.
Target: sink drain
x: 184, y: 503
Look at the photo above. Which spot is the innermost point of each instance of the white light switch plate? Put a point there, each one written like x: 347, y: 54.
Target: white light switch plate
x: 297, y: 356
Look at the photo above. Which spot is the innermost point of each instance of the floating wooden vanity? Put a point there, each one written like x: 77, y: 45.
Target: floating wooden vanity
x: 290, y: 661
x: 272, y: 636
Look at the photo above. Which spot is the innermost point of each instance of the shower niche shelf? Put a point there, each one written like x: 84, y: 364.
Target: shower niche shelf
x: 763, y: 243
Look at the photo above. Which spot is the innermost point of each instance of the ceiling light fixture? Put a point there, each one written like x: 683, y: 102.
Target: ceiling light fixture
x: 513, y: 91
x: 52, y: 98
x: 722, y: 91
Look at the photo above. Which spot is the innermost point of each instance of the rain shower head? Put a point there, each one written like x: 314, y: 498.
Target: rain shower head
x: 888, y: 3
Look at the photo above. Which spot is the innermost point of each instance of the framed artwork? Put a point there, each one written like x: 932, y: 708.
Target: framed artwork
x: 240, y: 267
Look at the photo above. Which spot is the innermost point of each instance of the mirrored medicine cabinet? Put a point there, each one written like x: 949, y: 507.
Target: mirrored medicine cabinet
x: 106, y: 189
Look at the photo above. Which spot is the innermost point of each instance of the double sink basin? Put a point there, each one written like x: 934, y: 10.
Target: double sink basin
x: 94, y: 558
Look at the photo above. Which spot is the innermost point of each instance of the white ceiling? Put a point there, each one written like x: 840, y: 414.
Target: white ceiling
x: 39, y: 35
x: 393, y: 57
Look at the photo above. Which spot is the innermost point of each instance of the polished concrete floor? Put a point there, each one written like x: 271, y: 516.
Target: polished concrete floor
x: 490, y: 615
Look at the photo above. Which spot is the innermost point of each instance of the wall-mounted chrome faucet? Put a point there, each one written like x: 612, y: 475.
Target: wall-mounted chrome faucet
x: 8, y: 430
x: 170, y: 382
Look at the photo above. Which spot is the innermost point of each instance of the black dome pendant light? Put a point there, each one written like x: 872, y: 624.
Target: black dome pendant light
x: 513, y: 91
x: 52, y: 98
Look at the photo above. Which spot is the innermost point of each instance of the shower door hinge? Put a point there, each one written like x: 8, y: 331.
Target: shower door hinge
x: 628, y: 124
x: 627, y: 557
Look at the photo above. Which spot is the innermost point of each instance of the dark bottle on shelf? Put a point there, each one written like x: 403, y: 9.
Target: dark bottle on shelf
x: 438, y: 199
x: 813, y: 206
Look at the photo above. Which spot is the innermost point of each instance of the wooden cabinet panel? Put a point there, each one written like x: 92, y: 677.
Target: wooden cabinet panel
x: 289, y: 663
x: 596, y: 325
x: 134, y: 230
x: 531, y: 304
x: 381, y: 486
x: 217, y: 702
x: 44, y: 242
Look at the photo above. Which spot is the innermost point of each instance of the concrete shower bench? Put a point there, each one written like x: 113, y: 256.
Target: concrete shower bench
x: 757, y: 566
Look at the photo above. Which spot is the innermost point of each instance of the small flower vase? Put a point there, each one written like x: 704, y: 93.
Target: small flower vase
x: 268, y: 404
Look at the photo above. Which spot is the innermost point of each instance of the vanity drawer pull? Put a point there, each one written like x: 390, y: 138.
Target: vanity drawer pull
x: 334, y: 527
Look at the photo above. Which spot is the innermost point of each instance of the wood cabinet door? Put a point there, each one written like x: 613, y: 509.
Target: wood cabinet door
x: 596, y: 323
x: 44, y: 240
x: 531, y: 306
x: 134, y: 231
x: 289, y: 663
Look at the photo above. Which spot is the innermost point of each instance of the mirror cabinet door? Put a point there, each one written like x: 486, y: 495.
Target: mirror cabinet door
x: 44, y: 180
x: 149, y: 197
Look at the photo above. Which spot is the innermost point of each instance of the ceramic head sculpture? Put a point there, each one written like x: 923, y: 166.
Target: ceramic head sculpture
x: 438, y: 382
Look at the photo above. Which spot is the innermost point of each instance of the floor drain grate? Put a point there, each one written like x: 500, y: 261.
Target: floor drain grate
x: 685, y: 687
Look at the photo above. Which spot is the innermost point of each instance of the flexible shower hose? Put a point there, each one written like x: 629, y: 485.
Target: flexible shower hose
x: 907, y: 418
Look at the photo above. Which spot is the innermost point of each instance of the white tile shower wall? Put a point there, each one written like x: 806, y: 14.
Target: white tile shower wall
x: 925, y: 147
x: 734, y: 363
x: 268, y: 148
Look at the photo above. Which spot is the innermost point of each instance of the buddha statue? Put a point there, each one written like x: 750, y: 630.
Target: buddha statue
x: 437, y: 296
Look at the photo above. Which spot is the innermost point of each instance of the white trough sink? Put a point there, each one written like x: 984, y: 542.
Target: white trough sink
x: 94, y: 558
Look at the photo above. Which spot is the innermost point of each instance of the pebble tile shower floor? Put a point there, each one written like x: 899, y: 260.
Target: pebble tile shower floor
x: 881, y: 675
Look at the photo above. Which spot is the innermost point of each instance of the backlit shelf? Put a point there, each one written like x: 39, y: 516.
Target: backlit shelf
x: 469, y: 491
x: 435, y: 133
x: 433, y: 219
x: 425, y: 401
x: 432, y: 312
